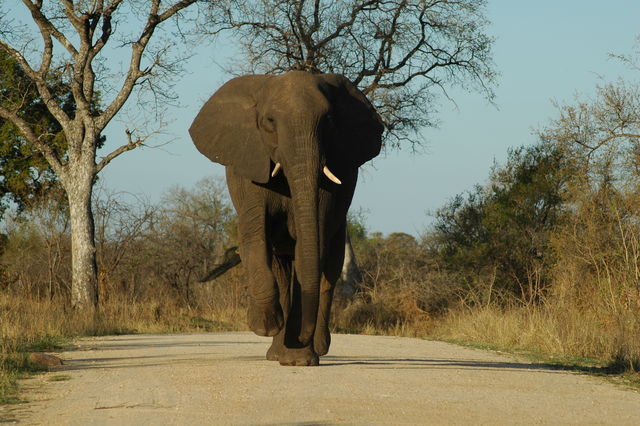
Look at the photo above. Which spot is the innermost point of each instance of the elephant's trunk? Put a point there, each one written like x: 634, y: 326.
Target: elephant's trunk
x: 303, y: 180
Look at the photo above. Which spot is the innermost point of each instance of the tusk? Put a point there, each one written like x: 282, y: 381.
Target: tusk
x: 276, y: 169
x: 331, y: 176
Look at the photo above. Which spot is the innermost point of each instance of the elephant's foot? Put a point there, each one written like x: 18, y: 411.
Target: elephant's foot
x: 265, y: 320
x: 273, y: 354
x: 297, y: 357
x: 321, y: 341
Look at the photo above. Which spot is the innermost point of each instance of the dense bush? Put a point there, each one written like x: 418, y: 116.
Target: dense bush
x: 501, y: 232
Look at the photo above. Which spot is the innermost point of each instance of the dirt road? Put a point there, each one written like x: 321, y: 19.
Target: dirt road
x: 222, y: 378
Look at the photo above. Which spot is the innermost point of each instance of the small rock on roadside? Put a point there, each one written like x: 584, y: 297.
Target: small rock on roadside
x: 45, y: 360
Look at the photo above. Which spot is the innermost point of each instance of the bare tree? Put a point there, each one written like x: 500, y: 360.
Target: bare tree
x: 73, y: 35
x: 601, y: 135
x: 121, y: 226
x: 400, y: 53
x: 37, y: 251
x: 189, y: 233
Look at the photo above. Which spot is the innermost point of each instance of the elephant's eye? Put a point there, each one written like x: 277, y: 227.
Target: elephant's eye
x: 269, y: 124
x: 329, y: 119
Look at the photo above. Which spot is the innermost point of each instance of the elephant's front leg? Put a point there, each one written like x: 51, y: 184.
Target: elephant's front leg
x: 264, y: 314
x: 281, y: 267
x: 286, y: 348
x: 331, y: 273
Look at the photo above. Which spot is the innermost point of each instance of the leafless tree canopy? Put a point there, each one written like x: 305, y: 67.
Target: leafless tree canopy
x: 73, y: 37
x: 401, y: 53
x: 601, y: 135
x: 66, y: 40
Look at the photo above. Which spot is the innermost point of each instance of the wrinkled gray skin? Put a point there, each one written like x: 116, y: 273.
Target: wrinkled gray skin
x: 296, y: 219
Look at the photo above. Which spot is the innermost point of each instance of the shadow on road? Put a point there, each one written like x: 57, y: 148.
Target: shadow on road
x: 376, y: 363
x: 212, y: 356
x: 423, y: 363
x: 417, y: 363
x: 141, y: 343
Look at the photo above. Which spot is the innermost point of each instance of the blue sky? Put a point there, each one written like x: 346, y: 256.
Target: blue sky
x: 544, y: 50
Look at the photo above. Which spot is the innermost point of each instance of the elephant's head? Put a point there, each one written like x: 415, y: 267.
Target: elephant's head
x: 304, y: 123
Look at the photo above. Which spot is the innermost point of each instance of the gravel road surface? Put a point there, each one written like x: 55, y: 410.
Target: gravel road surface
x: 223, y: 378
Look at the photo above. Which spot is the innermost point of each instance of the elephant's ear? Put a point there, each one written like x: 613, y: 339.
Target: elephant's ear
x: 226, y: 131
x: 358, y: 127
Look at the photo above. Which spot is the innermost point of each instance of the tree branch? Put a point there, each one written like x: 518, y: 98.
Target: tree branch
x: 137, y: 49
x: 29, y: 135
x: 132, y: 144
x: 47, y: 27
x: 367, y: 5
x: 39, y: 79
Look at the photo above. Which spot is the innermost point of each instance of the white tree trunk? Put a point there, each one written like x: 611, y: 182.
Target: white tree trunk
x: 351, y: 275
x: 84, y: 272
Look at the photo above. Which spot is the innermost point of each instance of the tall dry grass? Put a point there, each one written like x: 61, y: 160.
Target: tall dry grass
x: 592, y: 306
x: 31, y: 324
x: 550, y: 331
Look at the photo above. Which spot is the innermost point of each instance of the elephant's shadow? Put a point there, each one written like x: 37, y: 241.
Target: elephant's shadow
x: 433, y: 363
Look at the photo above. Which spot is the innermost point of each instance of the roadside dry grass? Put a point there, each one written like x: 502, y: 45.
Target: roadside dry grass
x: 553, y: 332
x: 583, y: 323
x: 565, y: 340
x: 33, y: 325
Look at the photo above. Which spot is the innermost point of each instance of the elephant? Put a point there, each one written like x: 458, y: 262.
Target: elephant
x: 291, y: 145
